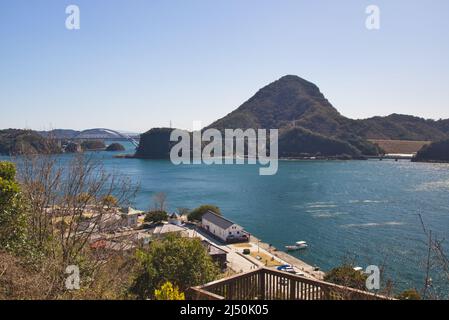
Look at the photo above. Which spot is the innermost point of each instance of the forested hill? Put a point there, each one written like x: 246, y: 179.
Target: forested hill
x: 17, y: 142
x: 303, y: 114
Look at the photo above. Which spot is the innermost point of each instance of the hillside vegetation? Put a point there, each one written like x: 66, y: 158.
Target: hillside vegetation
x: 17, y: 142
x: 309, y: 123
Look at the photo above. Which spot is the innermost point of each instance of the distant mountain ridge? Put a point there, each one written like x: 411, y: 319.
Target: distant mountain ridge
x: 301, y: 112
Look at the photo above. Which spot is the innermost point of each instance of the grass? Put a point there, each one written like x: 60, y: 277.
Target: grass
x: 265, y: 259
x: 242, y: 245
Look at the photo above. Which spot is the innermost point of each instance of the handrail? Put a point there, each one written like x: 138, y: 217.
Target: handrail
x: 268, y: 284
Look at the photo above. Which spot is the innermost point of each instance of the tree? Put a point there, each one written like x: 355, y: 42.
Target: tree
x: 58, y: 197
x: 47, y: 209
x: 156, y: 216
x: 182, y: 261
x: 197, y: 214
x: 160, y: 201
x: 110, y: 201
x: 168, y: 292
x: 345, y: 275
x: 12, y: 213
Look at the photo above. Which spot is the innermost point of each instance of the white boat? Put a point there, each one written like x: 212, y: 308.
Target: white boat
x: 301, y: 244
x: 298, y: 246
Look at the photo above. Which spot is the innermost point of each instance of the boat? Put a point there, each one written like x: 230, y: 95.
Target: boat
x: 292, y: 248
x: 301, y: 244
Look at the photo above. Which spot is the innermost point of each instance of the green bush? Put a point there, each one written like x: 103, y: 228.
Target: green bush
x: 7, y: 170
x: 12, y: 213
x: 184, y: 262
x: 156, y: 216
x: 197, y: 214
x: 345, y: 275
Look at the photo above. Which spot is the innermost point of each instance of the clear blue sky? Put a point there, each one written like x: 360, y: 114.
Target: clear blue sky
x: 137, y: 64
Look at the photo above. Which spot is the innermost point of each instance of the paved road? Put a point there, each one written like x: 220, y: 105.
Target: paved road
x: 236, y: 262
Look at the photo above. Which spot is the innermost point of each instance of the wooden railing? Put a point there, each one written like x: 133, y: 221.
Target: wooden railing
x: 267, y: 284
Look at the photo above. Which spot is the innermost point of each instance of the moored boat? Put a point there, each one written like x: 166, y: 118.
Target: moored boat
x: 301, y: 244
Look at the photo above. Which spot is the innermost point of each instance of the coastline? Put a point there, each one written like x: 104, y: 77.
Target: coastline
x: 293, y: 261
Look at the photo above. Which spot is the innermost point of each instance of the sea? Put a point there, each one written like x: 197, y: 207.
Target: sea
x: 366, y: 212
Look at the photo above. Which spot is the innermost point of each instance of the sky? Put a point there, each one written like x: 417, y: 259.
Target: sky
x: 138, y: 64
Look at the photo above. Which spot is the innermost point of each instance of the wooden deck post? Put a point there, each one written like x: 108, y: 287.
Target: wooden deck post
x: 261, y: 275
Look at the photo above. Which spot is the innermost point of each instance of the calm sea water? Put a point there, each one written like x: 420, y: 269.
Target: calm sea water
x: 367, y: 210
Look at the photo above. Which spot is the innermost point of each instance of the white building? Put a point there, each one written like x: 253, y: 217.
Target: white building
x: 223, y: 228
x: 175, y: 219
x: 130, y: 217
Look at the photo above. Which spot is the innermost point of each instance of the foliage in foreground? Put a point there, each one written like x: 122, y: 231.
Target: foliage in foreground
x: 345, y: 275
x: 12, y: 216
x: 168, y: 292
x: 37, y: 244
x: 182, y: 261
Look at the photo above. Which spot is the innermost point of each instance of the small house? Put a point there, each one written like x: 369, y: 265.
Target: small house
x: 175, y: 219
x: 222, y: 228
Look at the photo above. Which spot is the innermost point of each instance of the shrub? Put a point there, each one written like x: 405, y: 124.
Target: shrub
x: 156, y: 216
x: 197, y: 214
x: 12, y: 214
x: 345, y: 275
x: 109, y: 201
x: 168, y: 292
x: 184, y: 262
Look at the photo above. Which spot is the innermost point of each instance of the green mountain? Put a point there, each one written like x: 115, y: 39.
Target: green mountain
x: 401, y: 127
x: 308, y: 124
x: 16, y: 142
x: 306, y: 118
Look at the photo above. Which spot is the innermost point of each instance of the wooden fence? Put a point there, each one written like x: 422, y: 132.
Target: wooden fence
x: 267, y: 284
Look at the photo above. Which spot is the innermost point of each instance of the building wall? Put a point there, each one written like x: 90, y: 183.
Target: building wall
x: 215, y: 230
x: 234, y: 230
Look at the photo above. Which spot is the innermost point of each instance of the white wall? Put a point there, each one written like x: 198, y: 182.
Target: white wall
x: 219, y: 232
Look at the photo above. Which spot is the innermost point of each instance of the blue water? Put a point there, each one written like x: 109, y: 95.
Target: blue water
x: 367, y: 210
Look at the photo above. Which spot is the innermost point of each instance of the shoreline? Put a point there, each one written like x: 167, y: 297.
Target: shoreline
x: 293, y: 261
